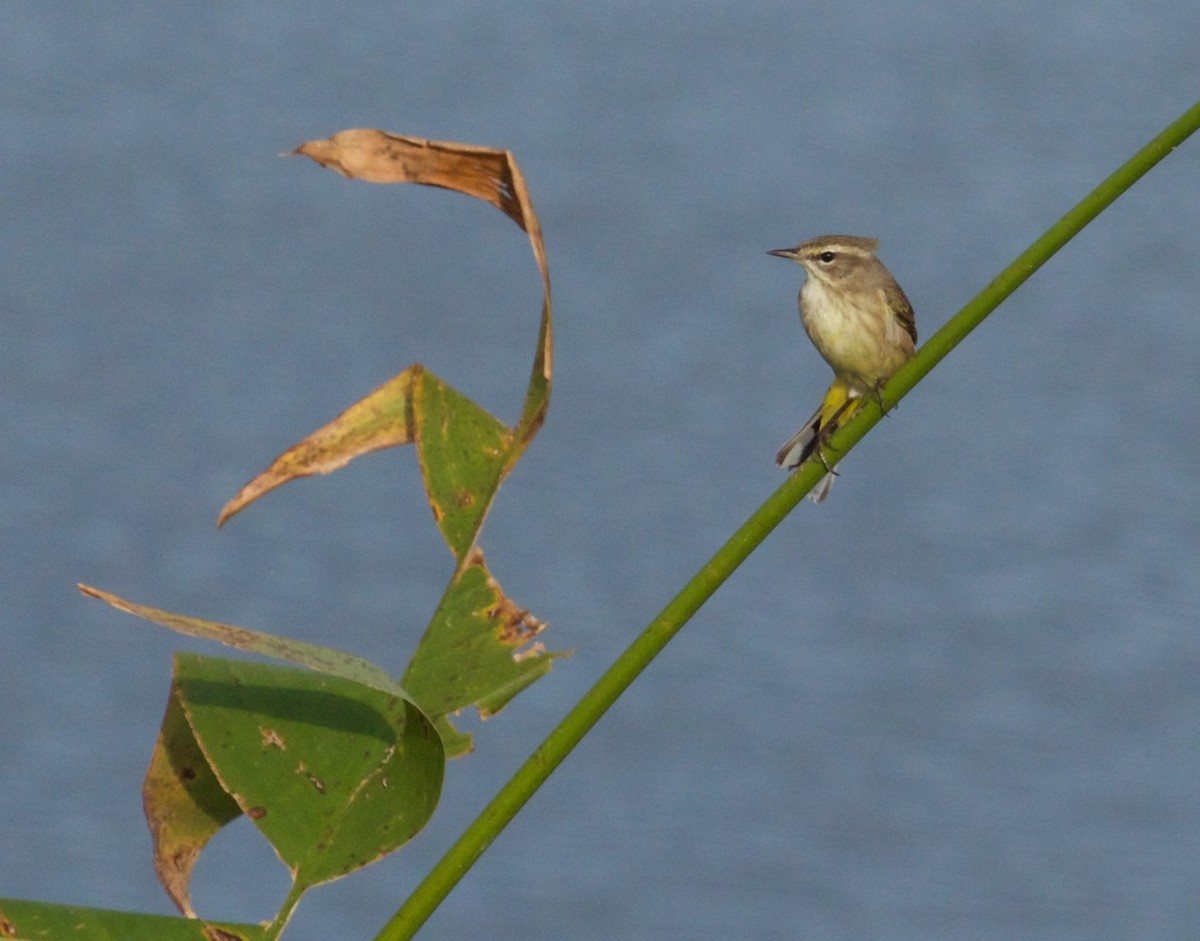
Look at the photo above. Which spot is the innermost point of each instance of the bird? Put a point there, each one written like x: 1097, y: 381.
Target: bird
x: 861, y: 323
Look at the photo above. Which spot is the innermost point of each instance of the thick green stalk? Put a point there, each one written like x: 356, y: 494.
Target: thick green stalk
x: 550, y: 754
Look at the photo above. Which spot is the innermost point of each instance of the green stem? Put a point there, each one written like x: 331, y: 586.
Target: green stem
x: 587, y: 712
x: 275, y: 928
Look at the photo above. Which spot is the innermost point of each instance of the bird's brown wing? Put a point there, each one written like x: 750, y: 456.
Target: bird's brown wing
x: 902, y: 309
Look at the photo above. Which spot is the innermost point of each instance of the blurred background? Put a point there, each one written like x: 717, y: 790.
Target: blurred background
x: 959, y: 699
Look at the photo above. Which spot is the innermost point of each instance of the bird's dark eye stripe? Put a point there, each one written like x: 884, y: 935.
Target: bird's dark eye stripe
x: 827, y: 257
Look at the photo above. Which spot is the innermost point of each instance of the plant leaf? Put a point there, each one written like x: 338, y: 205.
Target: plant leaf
x: 315, y: 657
x: 384, y: 418
x: 381, y: 420
x: 334, y: 774
x: 22, y: 919
x: 462, y: 451
x: 184, y: 803
x: 479, y: 649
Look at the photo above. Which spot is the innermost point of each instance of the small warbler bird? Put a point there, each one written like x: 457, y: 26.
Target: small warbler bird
x: 861, y: 323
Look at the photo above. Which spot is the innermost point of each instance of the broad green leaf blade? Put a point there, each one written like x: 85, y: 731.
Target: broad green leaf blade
x: 43, y: 920
x: 184, y: 803
x: 462, y: 451
x: 315, y: 657
x: 381, y: 420
x: 333, y: 773
x: 479, y: 649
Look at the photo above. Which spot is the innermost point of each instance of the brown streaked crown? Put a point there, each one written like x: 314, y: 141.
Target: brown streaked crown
x: 854, y: 245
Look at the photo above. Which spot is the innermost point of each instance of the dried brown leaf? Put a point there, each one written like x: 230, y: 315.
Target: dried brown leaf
x: 378, y: 157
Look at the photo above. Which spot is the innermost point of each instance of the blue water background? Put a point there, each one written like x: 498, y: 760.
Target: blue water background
x: 961, y: 699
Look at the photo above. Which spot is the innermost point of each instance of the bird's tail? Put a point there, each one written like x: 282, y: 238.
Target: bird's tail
x: 839, y: 404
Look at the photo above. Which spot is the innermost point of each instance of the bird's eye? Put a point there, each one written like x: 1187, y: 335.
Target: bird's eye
x: 827, y: 257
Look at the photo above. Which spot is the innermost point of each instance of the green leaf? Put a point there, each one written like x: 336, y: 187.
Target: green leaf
x: 462, y: 450
x: 479, y: 650
x: 43, y: 920
x: 333, y: 773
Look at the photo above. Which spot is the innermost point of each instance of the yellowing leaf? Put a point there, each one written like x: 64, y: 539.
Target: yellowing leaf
x: 184, y: 804
x: 313, y: 656
x: 381, y: 420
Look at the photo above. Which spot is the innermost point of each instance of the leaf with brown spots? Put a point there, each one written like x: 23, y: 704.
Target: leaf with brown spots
x: 480, y: 649
x: 184, y: 804
x: 360, y: 774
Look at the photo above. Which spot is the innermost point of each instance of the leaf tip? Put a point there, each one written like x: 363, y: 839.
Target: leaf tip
x: 110, y: 599
x: 228, y: 511
x: 265, y: 482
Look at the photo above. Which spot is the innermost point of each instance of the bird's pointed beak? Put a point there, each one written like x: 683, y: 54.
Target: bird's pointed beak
x: 789, y: 253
